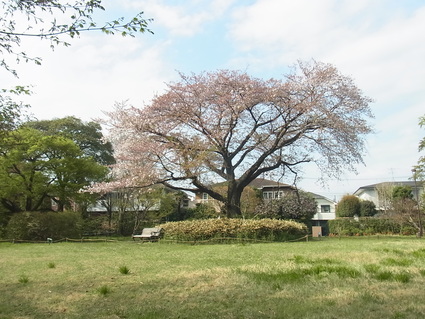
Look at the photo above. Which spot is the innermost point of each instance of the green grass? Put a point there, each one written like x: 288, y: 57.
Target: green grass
x: 330, y: 278
x: 397, y: 262
x: 124, y: 270
x: 104, y: 290
x: 23, y: 279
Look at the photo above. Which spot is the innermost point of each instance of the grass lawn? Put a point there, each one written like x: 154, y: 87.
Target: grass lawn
x: 330, y: 278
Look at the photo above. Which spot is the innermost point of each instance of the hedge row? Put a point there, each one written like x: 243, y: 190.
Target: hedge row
x: 42, y: 225
x: 368, y: 226
x: 262, y: 229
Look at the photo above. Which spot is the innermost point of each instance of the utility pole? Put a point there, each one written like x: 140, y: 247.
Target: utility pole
x: 421, y: 231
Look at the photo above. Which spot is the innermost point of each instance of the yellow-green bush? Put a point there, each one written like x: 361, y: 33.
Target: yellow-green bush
x: 261, y: 229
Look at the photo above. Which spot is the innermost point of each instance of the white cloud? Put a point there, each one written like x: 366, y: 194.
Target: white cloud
x: 185, y: 18
x: 379, y: 44
x: 88, y: 77
x: 341, y: 32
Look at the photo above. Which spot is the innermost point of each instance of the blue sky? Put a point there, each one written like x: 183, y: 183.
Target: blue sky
x: 380, y: 43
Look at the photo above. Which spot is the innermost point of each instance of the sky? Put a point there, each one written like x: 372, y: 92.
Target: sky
x: 379, y: 43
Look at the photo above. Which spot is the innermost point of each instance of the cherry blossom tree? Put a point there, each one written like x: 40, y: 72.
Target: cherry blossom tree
x: 229, y: 126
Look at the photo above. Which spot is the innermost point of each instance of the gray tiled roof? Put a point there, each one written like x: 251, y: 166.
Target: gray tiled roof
x: 395, y: 183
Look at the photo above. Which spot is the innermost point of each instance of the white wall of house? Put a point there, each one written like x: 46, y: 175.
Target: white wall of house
x: 204, y: 198
x: 369, y: 194
x: 325, y: 208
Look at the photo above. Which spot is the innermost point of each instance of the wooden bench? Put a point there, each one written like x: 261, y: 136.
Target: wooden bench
x: 149, y: 234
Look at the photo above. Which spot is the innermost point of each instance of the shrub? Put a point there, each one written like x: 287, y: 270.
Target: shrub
x: 39, y: 226
x: 367, y: 208
x: 262, y: 229
x: 4, y: 220
x: 408, y: 230
x: 202, y: 211
x: 96, y: 225
x: 20, y: 226
x: 363, y: 226
x: 348, y: 206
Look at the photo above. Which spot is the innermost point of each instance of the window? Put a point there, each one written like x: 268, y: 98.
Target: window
x: 204, y: 196
x: 273, y: 195
x: 268, y: 195
x: 325, y: 208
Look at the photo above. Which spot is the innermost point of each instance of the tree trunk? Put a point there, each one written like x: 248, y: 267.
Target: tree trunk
x: 232, y: 206
x: 120, y: 222
x: 28, y: 204
x: 61, y: 206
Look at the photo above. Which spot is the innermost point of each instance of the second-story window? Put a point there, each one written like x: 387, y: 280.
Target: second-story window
x: 325, y: 208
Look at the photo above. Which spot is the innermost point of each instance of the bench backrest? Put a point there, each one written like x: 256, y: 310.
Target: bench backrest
x: 151, y: 231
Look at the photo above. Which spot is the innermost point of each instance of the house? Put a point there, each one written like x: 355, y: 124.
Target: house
x: 270, y: 190
x: 130, y: 200
x: 381, y: 193
x: 325, y: 212
x: 275, y: 190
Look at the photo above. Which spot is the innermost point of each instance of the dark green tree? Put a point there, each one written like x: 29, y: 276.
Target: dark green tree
x: 402, y: 192
x: 36, y: 168
x: 87, y: 135
x: 367, y: 208
x: 348, y: 206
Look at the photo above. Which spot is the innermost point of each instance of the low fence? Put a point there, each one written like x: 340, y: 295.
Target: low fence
x: 230, y: 240
x: 63, y: 240
x: 192, y: 242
